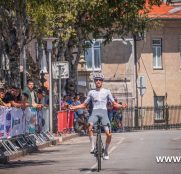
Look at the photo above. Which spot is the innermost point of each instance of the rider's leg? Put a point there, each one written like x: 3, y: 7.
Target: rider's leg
x: 91, y: 136
x: 92, y: 119
x: 107, y: 128
x: 108, y: 141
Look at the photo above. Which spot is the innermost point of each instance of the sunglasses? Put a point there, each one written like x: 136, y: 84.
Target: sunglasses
x: 98, y: 80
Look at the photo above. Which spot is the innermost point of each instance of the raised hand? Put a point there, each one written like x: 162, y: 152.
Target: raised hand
x: 71, y: 107
x: 124, y: 105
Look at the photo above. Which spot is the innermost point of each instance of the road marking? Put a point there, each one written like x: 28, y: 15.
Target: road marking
x: 120, y: 141
x: 90, y: 171
x: 176, y: 139
x: 110, y: 151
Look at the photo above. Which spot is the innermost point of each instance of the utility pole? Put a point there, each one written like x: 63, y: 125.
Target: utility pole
x: 24, y: 68
x: 49, y: 49
x: 136, y: 77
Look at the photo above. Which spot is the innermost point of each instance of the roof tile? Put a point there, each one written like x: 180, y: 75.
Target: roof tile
x: 165, y: 11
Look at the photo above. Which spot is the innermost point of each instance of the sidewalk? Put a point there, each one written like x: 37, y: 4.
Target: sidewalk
x: 64, y: 137
x: 22, y: 152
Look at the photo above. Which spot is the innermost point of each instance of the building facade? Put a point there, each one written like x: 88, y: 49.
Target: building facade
x: 144, y: 73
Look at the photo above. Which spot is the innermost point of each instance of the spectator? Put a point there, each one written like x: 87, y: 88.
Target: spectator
x: 76, y: 102
x: 114, y: 109
x: 63, y: 103
x: 41, y: 96
x: 11, y: 97
x: 32, y: 95
x: 120, y: 116
x: 110, y: 111
x: 69, y: 100
x: 24, y: 100
x: 18, y: 94
x: 80, y: 121
x: 2, y: 95
x: 25, y: 97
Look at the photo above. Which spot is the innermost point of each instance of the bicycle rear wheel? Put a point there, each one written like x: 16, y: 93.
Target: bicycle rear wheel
x: 99, y: 152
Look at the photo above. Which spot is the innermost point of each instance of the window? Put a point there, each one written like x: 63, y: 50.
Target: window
x: 159, y: 107
x: 93, y: 56
x: 157, y: 52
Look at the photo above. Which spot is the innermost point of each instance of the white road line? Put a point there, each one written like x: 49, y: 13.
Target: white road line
x: 110, y: 151
x: 120, y: 141
x: 176, y: 139
x: 91, y: 168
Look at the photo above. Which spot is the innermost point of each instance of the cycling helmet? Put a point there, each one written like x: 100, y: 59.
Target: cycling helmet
x: 98, y: 76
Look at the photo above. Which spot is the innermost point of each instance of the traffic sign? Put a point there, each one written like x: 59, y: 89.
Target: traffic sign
x: 141, y: 85
x: 60, y: 68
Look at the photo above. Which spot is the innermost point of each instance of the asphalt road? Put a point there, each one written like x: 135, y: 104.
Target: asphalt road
x: 130, y: 153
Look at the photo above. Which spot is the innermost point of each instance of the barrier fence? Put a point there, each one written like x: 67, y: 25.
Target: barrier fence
x: 15, y: 121
x: 148, y: 118
x: 167, y: 116
x: 22, y: 129
x: 65, y: 121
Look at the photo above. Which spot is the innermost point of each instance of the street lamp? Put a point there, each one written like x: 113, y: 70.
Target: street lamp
x: 43, y: 61
x: 82, y: 62
x: 49, y: 41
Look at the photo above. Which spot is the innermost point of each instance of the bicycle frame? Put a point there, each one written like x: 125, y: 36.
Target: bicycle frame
x: 99, y: 145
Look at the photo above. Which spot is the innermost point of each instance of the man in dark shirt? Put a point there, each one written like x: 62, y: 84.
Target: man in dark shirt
x: 11, y: 97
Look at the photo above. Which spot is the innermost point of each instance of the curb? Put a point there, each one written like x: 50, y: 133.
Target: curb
x: 68, y: 137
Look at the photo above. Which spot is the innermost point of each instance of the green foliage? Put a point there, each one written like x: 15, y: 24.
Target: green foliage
x: 101, y: 18
x: 71, y: 21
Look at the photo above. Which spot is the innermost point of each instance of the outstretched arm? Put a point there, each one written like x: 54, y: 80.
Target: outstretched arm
x: 81, y: 106
x: 119, y: 106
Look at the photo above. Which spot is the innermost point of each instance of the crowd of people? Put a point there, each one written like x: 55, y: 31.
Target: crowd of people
x: 28, y: 97
x: 81, y: 115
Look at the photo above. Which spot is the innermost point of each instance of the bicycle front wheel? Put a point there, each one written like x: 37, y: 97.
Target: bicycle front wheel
x: 99, y: 152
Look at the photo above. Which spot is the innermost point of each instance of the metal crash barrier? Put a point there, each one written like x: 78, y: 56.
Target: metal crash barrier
x: 22, y: 131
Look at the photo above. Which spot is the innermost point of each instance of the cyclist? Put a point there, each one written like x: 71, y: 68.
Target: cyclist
x: 99, y: 98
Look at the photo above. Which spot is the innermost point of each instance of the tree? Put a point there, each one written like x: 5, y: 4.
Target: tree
x: 15, y: 33
x: 73, y: 22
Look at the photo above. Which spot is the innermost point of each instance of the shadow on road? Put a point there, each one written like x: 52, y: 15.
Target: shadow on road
x: 46, y: 151
x: 87, y: 169
x: 18, y: 164
x: 113, y: 170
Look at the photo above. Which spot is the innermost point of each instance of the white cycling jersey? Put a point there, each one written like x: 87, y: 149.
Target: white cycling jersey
x: 99, y: 98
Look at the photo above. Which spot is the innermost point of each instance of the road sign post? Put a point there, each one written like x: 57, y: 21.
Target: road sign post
x: 60, y: 71
x: 64, y: 70
x: 141, y: 85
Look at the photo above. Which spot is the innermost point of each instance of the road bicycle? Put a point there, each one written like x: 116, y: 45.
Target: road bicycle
x: 99, y: 149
